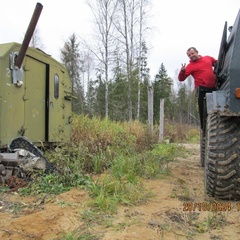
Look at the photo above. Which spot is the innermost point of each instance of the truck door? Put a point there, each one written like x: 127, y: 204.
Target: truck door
x: 35, y: 99
x: 59, y: 107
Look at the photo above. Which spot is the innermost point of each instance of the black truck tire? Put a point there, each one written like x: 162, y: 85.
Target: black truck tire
x: 222, y: 157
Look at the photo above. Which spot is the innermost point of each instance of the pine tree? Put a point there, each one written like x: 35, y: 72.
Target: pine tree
x: 70, y: 56
x: 162, y: 90
x: 182, y: 104
x: 118, y: 107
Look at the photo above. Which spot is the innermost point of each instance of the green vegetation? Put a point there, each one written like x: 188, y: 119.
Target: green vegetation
x: 79, y: 234
x: 3, y: 189
x: 109, y: 160
x: 120, y: 154
x: 214, y: 220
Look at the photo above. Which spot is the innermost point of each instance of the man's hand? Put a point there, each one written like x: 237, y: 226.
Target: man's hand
x: 183, y: 68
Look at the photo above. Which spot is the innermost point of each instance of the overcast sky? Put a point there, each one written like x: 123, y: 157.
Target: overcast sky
x: 176, y: 25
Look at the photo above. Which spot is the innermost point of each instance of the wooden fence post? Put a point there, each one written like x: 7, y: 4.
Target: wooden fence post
x: 161, y: 121
x: 150, y: 108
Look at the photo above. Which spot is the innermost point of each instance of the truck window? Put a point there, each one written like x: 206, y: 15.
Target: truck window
x: 56, y: 86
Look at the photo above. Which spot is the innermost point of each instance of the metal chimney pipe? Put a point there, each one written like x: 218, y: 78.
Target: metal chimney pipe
x: 28, y: 35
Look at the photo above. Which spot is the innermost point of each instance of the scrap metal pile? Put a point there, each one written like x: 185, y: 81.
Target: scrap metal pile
x: 19, y: 162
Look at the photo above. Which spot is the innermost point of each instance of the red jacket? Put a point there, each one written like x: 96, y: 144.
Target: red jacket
x: 202, y: 72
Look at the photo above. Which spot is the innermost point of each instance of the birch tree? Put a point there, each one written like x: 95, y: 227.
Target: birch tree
x: 130, y: 26
x: 125, y: 27
x: 104, y: 13
x: 142, y: 49
x: 36, y: 40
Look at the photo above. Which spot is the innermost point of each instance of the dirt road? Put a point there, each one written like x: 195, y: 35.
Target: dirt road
x: 166, y: 216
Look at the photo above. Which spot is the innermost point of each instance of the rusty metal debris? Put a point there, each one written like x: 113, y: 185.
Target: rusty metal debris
x: 17, y: 165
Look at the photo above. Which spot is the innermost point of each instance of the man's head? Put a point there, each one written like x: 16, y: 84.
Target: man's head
x: 192, y: 53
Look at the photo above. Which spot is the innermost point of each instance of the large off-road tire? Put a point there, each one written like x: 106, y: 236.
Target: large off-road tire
x: 222, y: 158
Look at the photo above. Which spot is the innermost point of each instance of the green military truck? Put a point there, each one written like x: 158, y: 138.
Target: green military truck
x: 35, y: 100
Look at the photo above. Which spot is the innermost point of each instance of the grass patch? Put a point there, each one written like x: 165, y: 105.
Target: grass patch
x: 109, y: 191
x: 54, y: 184
x: 122, y: 153
x: 214, y: 220
x: 3, y: 189
x: 82, y: 233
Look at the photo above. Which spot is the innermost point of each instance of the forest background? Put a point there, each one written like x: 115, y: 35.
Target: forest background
x: 110, y: 73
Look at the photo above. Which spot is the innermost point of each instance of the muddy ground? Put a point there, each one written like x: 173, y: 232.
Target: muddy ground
x: 164, y: 216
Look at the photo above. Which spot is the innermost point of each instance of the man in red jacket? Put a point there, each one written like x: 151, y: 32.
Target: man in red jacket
x: 201, y: 69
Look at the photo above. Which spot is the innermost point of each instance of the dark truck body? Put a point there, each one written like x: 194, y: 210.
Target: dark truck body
x: 220, y: 140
